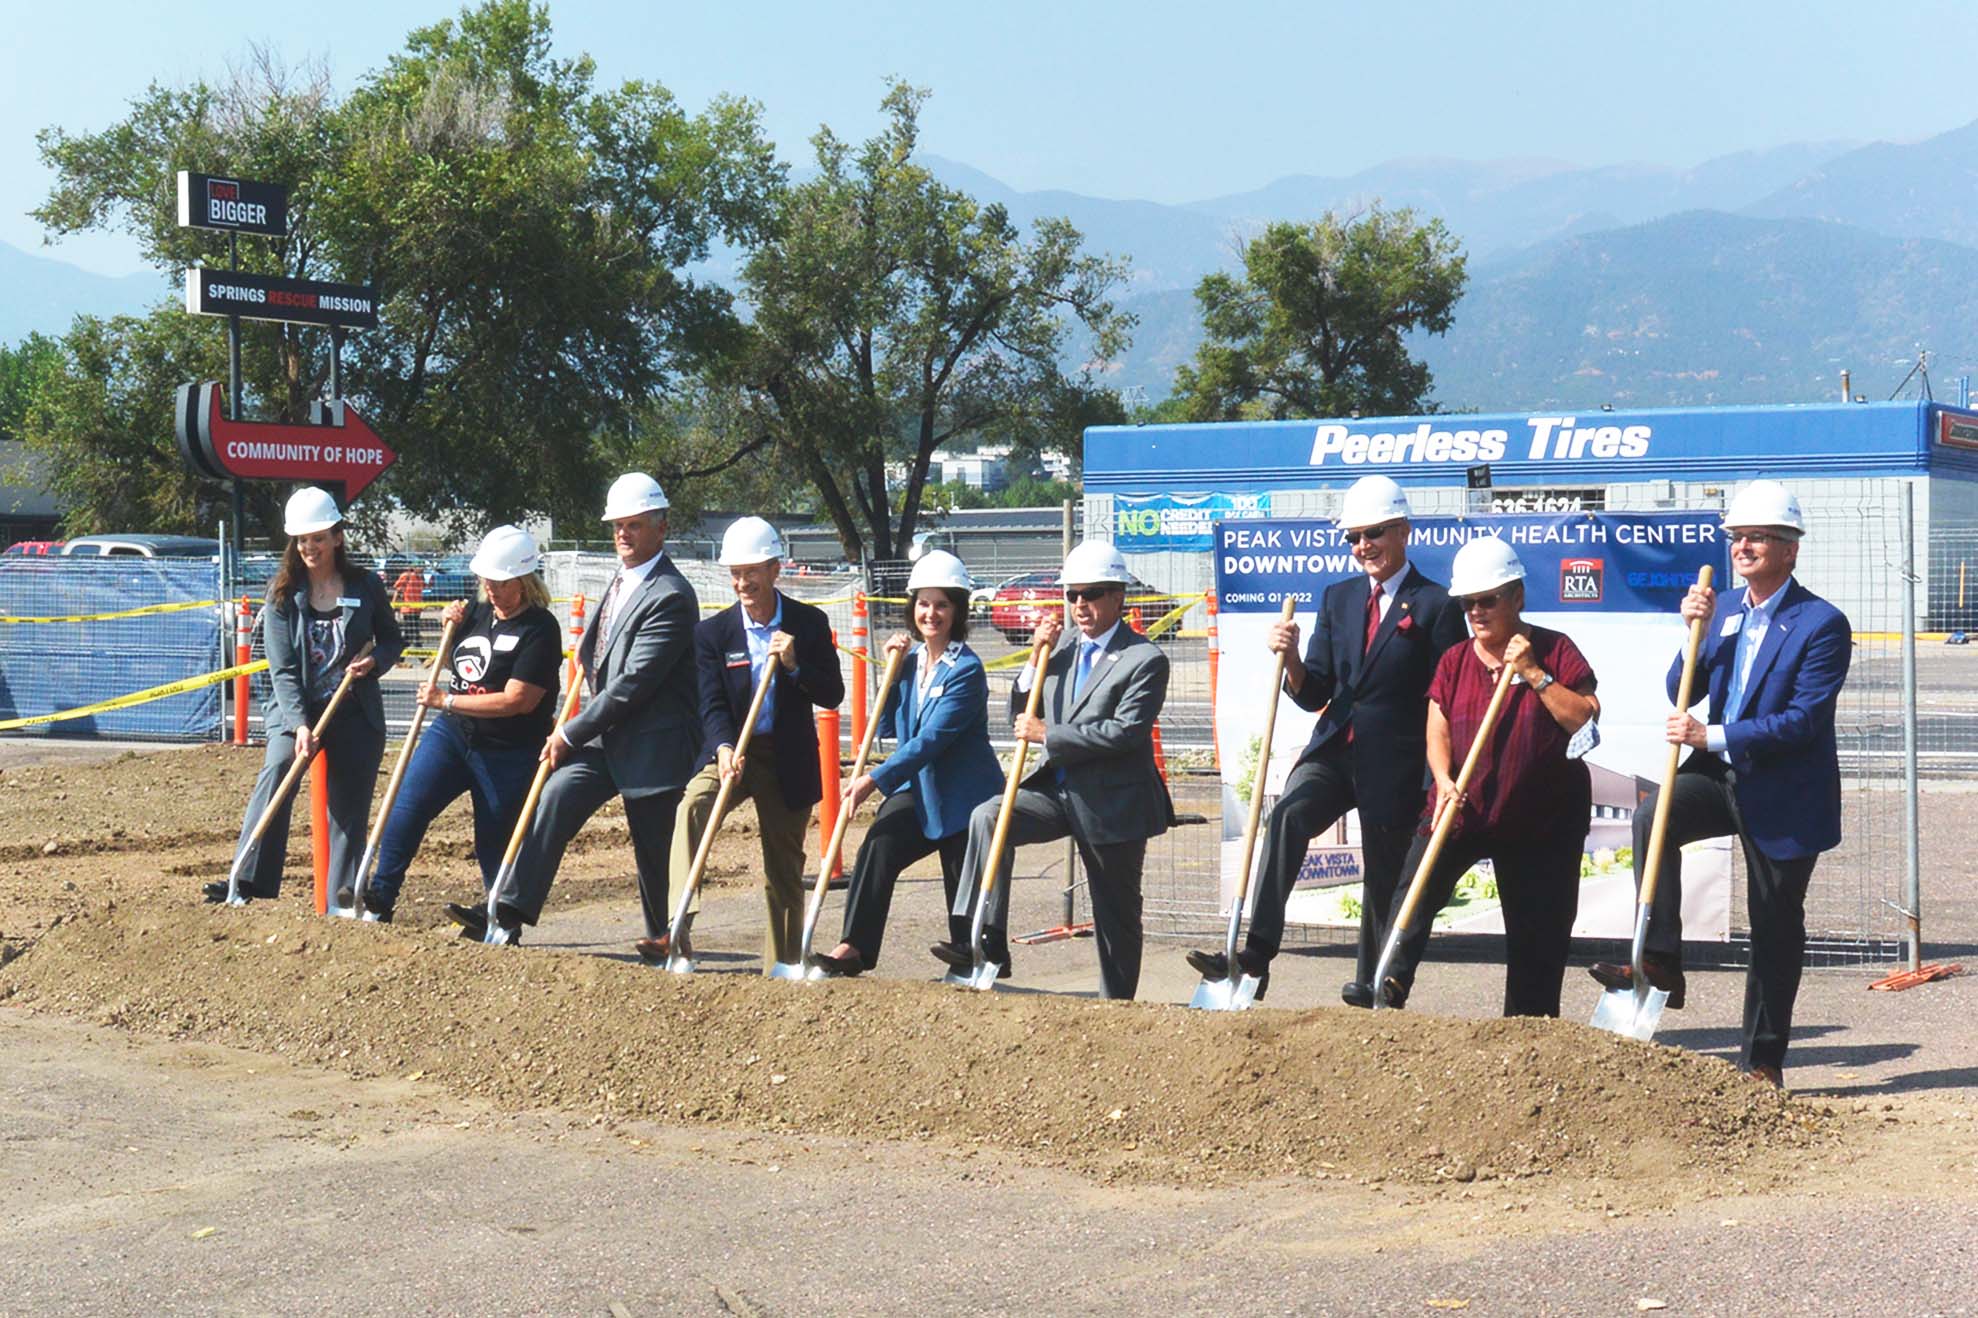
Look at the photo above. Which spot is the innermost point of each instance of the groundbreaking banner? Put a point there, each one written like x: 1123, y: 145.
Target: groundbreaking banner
x: 1610, y: 581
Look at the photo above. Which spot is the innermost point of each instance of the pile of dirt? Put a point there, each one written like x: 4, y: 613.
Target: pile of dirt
x: 1118, y: 1090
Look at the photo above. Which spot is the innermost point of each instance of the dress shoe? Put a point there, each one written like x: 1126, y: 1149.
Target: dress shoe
x: 473, y: 920
x: 1664, y: 975
x: 346, y: 898
x: 957, y: 956
x: 653, y: 951
x: 216, y: 891
x: 1215, y: 966
x: 1355, y: 994
x: 1760, y: 1074
x: 845, y: 967
x: 1393, y: 993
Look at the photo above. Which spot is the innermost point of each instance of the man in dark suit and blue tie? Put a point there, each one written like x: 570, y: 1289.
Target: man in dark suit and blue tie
x: 1764, y: 769
x: 1373, y: 651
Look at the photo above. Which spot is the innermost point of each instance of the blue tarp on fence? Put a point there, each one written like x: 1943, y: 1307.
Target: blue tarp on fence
x: 48, y: 667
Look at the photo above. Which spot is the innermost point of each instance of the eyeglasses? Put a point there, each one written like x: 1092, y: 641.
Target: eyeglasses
x: 1090, y: 594
x: 1759, y: 539
x: 1481, y: 603
x: 1371, y: 533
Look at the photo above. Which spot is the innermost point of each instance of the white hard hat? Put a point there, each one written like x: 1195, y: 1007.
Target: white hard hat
x: 1094, y: 563
x: 940, y: 569
x: 632, y: 494
x: 749, y: 540
x: 1483, y: 565
x: 1766, y: 503
x: 1370, y: 501
x: 507, y: 552
x: 310, y: 509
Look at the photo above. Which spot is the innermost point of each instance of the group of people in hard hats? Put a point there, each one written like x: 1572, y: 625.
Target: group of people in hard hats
x: 1401, y: 670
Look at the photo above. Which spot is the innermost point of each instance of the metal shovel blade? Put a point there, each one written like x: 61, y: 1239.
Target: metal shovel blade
x: 682, y: 963
x: 1631, y: 1012
x: 1235, y: 993
x: 981, y: 976
x: 788, y: 970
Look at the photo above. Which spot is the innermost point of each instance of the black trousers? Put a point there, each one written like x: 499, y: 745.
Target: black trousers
x: 1538, y: 885
x: 1112, y: 873
x: 575, y: 792
x: 1317, y: 794
x: 1705, y: 805
x: 892, y: 843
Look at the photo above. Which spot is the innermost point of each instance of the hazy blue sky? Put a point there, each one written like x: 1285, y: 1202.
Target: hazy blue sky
x: 1162, y: 100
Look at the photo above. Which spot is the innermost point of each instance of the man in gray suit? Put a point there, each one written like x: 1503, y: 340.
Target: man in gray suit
x: 637, y: 731
x: 1095, y: 779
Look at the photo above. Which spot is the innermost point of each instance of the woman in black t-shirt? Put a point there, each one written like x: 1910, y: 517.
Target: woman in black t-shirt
x: 498, y: 702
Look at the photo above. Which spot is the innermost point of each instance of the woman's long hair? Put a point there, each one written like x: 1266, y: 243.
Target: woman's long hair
x: 291, y: 574
x: 535, y: 595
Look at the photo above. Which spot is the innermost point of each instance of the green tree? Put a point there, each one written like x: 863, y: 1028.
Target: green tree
x: 1317, y: 323
x: 893, y: 313
x: 527, y: 230
x: 23, y: 369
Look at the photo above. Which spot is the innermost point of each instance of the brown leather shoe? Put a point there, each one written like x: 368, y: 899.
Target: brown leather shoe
x: 1760, y: 1074
x: 1661, y: 974
x: 653, y: 951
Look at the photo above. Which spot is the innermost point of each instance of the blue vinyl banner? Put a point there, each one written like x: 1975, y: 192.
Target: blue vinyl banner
x: 1179, y: 521
x: 1596, y: 562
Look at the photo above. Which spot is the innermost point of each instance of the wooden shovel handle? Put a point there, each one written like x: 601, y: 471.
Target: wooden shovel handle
x: 838, y: 830
x: 1445, y: 821
x: 992, y: 865
x: 298, y: 764
x: 1659, y: 829
x: 1263, y: 767
x: 742, y: 738
x: 564, y: 714
x: 412, y: 732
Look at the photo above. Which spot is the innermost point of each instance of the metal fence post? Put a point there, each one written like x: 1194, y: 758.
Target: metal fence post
x: 1911, y: 806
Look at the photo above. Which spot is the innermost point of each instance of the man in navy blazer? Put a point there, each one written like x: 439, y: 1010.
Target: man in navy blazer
x: 1373, y: 650
x: 1764, y: 768
x: 780, y: 771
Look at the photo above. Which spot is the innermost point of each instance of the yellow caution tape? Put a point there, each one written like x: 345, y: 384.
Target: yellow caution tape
x: 146, y: 611
x: 178, y: 688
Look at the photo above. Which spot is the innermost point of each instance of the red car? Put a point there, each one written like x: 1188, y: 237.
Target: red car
x: 1013, y: 612
x: 37, y: 547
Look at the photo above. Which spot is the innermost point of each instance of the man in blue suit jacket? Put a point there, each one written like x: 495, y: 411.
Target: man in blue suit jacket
x: 1764, y: 769
x: 780, y: 773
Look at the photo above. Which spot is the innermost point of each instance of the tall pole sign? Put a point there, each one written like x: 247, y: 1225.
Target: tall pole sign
x: 335, y: 448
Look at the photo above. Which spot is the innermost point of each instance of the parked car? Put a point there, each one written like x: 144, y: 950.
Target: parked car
x: 141, y: 546
x: 1013, y: 612
x: 35, y: 548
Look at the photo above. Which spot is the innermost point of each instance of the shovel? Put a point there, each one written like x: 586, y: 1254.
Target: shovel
x: 1233, y: 992
x: 803, y: 968
x: 1445, y: 824
x: 982, y: 975
x: 391, y: 785
x: 680, y: 952
x: 495, y: 934
x: 289, y: 780
x: 1637, y: 1010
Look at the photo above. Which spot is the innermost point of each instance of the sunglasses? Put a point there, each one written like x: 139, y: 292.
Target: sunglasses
x: 1370, y: 534
x: 1481, y: 603
x: 1090, y: 594
x: 1758, y: 538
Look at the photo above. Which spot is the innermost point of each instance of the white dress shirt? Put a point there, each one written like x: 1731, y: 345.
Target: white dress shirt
x: 1756, y: 620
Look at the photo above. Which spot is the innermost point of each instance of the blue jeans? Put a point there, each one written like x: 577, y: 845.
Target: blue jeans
x: 443, y: 766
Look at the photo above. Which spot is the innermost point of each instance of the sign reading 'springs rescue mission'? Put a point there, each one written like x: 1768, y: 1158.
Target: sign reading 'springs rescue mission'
x: 264, y: 297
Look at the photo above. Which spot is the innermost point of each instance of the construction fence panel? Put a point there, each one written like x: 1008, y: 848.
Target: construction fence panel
x: 78, y: 632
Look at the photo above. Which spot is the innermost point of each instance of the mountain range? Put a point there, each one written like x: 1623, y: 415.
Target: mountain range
x: 1754, y: 277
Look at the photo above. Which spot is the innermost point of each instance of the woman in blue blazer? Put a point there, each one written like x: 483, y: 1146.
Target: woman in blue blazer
x: 940, y: 770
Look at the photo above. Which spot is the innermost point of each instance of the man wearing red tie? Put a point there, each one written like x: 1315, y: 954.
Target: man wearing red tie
x: 1373, y: 650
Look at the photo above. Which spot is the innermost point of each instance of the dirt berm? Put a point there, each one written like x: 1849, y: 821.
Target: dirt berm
x: 1115, y: 1090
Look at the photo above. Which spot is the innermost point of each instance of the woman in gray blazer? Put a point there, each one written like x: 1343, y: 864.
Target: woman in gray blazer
x: 321, y: 611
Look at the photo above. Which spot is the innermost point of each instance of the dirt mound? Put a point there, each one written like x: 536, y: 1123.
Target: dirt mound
x: 1121, y: 1090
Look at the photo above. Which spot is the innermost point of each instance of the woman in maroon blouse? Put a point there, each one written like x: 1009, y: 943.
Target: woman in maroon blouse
x: 1528, y: 806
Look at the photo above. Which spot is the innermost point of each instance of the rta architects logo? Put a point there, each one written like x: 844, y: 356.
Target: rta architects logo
x: 1580, y: 580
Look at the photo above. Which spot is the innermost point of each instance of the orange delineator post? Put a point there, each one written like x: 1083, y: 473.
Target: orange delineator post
x: 243, y: 655
x: 859, y: 638
x: 1215, y: 661
x: 319, y: 828
x: 576, y: 631
x: 828, y: 768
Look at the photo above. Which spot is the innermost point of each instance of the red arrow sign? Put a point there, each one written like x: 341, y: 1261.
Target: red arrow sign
x: 350, y: 452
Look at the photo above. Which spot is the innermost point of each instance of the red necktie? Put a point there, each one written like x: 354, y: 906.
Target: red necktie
x: 1373, y: 617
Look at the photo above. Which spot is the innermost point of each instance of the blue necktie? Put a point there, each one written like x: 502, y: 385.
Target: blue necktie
x: 1734, y: 697
x: 1088, y: 651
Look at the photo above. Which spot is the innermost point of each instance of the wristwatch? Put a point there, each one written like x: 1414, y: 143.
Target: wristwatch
x: 1544, y: 680
x: 446, y: 703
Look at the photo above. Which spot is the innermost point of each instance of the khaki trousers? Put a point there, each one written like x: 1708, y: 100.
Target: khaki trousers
x: 783, y: 832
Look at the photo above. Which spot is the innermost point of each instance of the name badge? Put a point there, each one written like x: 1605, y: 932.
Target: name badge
x: 508, y: 642
x: 1732, y: 625
x: 934, y: 691
x: 738, y: 658
x: 348, y: 602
